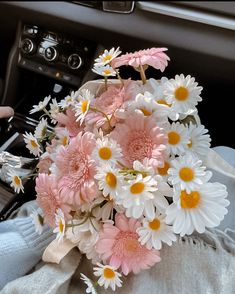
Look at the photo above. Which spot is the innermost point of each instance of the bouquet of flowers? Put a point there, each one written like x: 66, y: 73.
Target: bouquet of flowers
x: 124, y: 170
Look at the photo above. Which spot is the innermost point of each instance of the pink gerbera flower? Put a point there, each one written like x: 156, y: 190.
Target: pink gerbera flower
x: 140, y: 138
x: 111, y: 100
x: 68, y: 120
x: 76, y: 170
x: 48, y: 198
x: 154, y: 57
x: 119, y: 246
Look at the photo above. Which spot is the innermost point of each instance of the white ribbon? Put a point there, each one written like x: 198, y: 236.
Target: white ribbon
x: 55, y: 251
x: 214, y: 161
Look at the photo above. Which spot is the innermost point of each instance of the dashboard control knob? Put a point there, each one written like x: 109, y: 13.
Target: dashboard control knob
x: 50, y: 53
x: 74, y: 61
x: 27, y: 46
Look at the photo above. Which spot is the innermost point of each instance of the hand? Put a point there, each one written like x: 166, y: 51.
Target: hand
x: 6, y: 111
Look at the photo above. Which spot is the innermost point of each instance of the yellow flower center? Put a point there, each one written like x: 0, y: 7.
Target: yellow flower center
x: 108, y: 273
x: 146, y: 112
x: 137, y: 188
x: 17, y: 180
x: 190, y: 200
x: 61, y: 226
x: 163, y: 170
x: 186, y: 174
x: 65, y: 140
x: 173, y: 138
x: 131, y: 245
x: 155, y: 224
x: 33, y: 143
x: 163, y: 102
x: 111, y: 180
x: 181, y: 94
x: 107, y: 58
x: 105, y: 153
x: 190, y: 144
x: 84, y: 106
x: 107, y: 72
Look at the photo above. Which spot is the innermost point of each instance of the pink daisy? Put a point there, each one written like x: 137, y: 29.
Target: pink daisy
x: 110, y: 101
x: 154, y: 57
x: 119, y: 246
x: 48, y: 198
x: 68, y: 120
x: 140, y: 138
x: 77, y: 170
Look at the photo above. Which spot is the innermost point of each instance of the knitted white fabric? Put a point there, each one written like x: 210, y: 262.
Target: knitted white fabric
x: 193, y: 265
x: 20, y: 246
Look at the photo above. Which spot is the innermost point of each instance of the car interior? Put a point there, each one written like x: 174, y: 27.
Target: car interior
x: 48, y: 48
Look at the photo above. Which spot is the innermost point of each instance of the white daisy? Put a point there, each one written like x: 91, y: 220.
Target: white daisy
x: 107, y: 151
x: 163, y: 170
x: 146, y: 105
x: 160, y: 98
x: 158, y: 89
x: 90, y: 286
x: 163, y: 190
x: 109, y: 180
x: 105, y: 71
x: 202, y: 207
x: 183, y: 93
x: 16, y: 182
x: 199, y: 140
x: 63, y: 135
x: 54, y: 110
x: 138, y: 195
x: 32, y: 144
x: 41, y: 129
x: 60, y: 225
x: 109, y: 277
x: 144, y: 167
x: 158, y: 92
x: 187, y: 173
x: 38, y: 221
x: 41, y: 105
x: 178, y: 138
x: 107, y: 56
x: 81, y: 108
x: 155, y: 231
x: 69, y: 100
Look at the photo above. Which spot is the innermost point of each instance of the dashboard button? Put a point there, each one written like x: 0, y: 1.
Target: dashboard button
x: 74, y: 61
x: 50, y: 54
x: 27, y: 46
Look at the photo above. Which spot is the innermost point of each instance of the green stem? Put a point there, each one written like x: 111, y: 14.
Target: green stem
x: 83, y: 222
x: 46, y: 112
x: 119, y: 77
x: 122, y: 165
x: 133, y: 171
x: 94, y: 207
x: 104, y: 114
x: 142, y: 74
x: 93, y: 225
x: 29, y: 176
